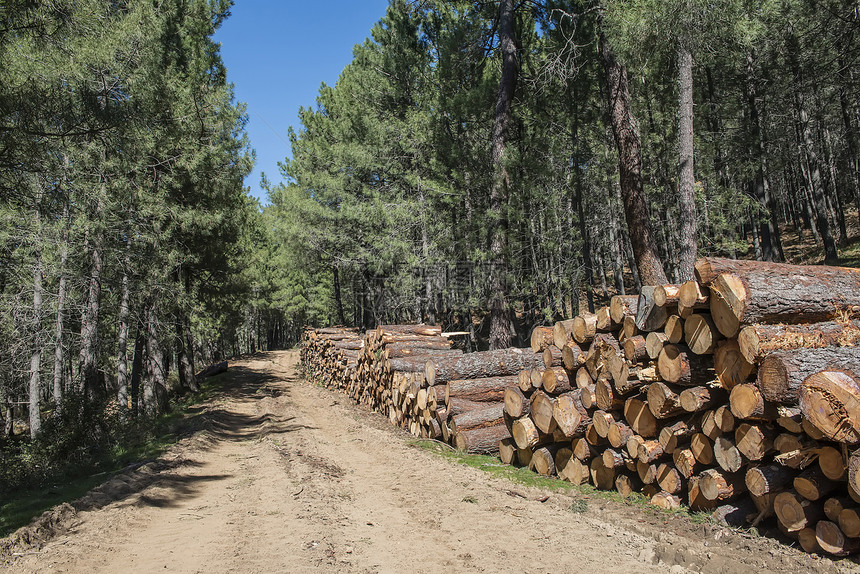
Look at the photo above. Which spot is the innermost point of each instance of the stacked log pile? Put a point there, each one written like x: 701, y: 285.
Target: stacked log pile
x: 737, y: 393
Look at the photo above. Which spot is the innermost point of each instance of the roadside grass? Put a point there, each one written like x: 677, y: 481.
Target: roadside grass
x: 581, y: 494
x: 145, y: 441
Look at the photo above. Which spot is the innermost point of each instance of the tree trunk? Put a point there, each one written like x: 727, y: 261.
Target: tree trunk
x: 500, y: 329
x: 626, y: 134
x: 122, y: 342
x: 36, y: 356
x: 59, y: 350
x: 153, y: 382
x: 89, y: 320
x: 686, y: 177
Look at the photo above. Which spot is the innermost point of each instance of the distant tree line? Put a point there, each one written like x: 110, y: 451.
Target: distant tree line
x: 555, y: 151
x: 126, y: 226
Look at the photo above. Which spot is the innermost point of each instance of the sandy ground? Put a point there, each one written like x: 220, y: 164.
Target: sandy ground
x: 287, y: 477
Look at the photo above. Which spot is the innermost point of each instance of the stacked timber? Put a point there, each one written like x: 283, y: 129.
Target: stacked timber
x: 737, y: 393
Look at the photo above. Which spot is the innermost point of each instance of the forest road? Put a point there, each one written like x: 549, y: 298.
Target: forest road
x: 284, y: 476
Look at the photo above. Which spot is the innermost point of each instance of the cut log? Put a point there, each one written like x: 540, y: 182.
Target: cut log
x: 602, y: 477
x: 584, y: 327
x: 833, y: 541
x: 569, y: 468
x: 639, y: 417
x: 541, y: 338
x: 516, y: 403
x: 759, y: 340
x: 654, y: 343
x: 562, y: 333
x: 508, y: 451
x: 556, y: 380
x: 710, y: 428
x: 849, y: 522
x: 833, y: 506
x: 569, y: 414
x: 541, y: 411
x: 588, y: 398
x: 649, y: 315
x: 811, y: 484
x: 666, y: 295
x: 754, y: 441
x: 491, y: 414
x: 524, y: 457
x: 747, y: 402
x: 607, y: 399
x: 701, y: 334
x: 795, y: 512
x: 552, y: 357
x: 727, y: 455
x: 663, y: 402
x: 629, y: 328
x: 458, y: 406
x: 677, y: 434
x: 650, y: 451
x: 420, y: 329
x: 627, y: 484
x: 619, y: 433
x: 697, y: 399
x: 604, y: 320
x: 583, y: 378
x: 691, y: 297
x: 781, y: 374
x: 572, y: 356
x: 808, y: 541
x: 724, y: 418
x: 832, y: 463
x: 761, y: 480
x: 634, y: 349
x: 582, y: 449
x: 790, y: 418
x: 695, y: 499
x: 621, y: 306
x: 524, y: 380
x: 730, y: 367
x: 483, y: 440
x: 718, y: 485
x: 670, y: 479
x: 703, y: 449
x: 781, y: 293
x: 795, y: 451
x: 615, y: 459
x: 487, y: 389
x: 830, y: 400
x: 536, y: 377
x: 685, y: 461
x: 480, y: 365
x: 674, y: 329
x: 632, y: 446
x: 526, y: 435
x: 543, y: 460
x: 677, y: 364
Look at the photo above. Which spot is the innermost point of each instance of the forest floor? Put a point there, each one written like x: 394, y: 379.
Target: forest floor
x: 278, y: 475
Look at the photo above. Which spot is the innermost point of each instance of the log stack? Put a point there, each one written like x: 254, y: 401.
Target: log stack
x: 736, y: 393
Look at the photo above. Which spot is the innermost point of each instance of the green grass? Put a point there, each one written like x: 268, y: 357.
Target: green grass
x: 581, y: 493
x: 19, y: 507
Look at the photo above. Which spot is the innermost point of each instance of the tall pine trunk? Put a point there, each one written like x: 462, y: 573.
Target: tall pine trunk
x: 36, y: 341
x: 626, y: 134
x: 90, y: 316
x: 59, y: 350
x: 500, y: 324
x: 122, y: 340
x: 686, y: 177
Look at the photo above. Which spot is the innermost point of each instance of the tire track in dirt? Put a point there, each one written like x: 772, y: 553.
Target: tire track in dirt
x: 287, y: 477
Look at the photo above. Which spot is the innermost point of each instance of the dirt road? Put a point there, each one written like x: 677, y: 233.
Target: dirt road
x: 287, y: 477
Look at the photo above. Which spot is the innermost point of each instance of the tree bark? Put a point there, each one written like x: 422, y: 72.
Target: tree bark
x: 686, y: 177
x: 626, y: 134
x: 500, y: 329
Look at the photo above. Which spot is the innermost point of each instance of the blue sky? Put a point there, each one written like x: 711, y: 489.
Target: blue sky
x: 277, y: 54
